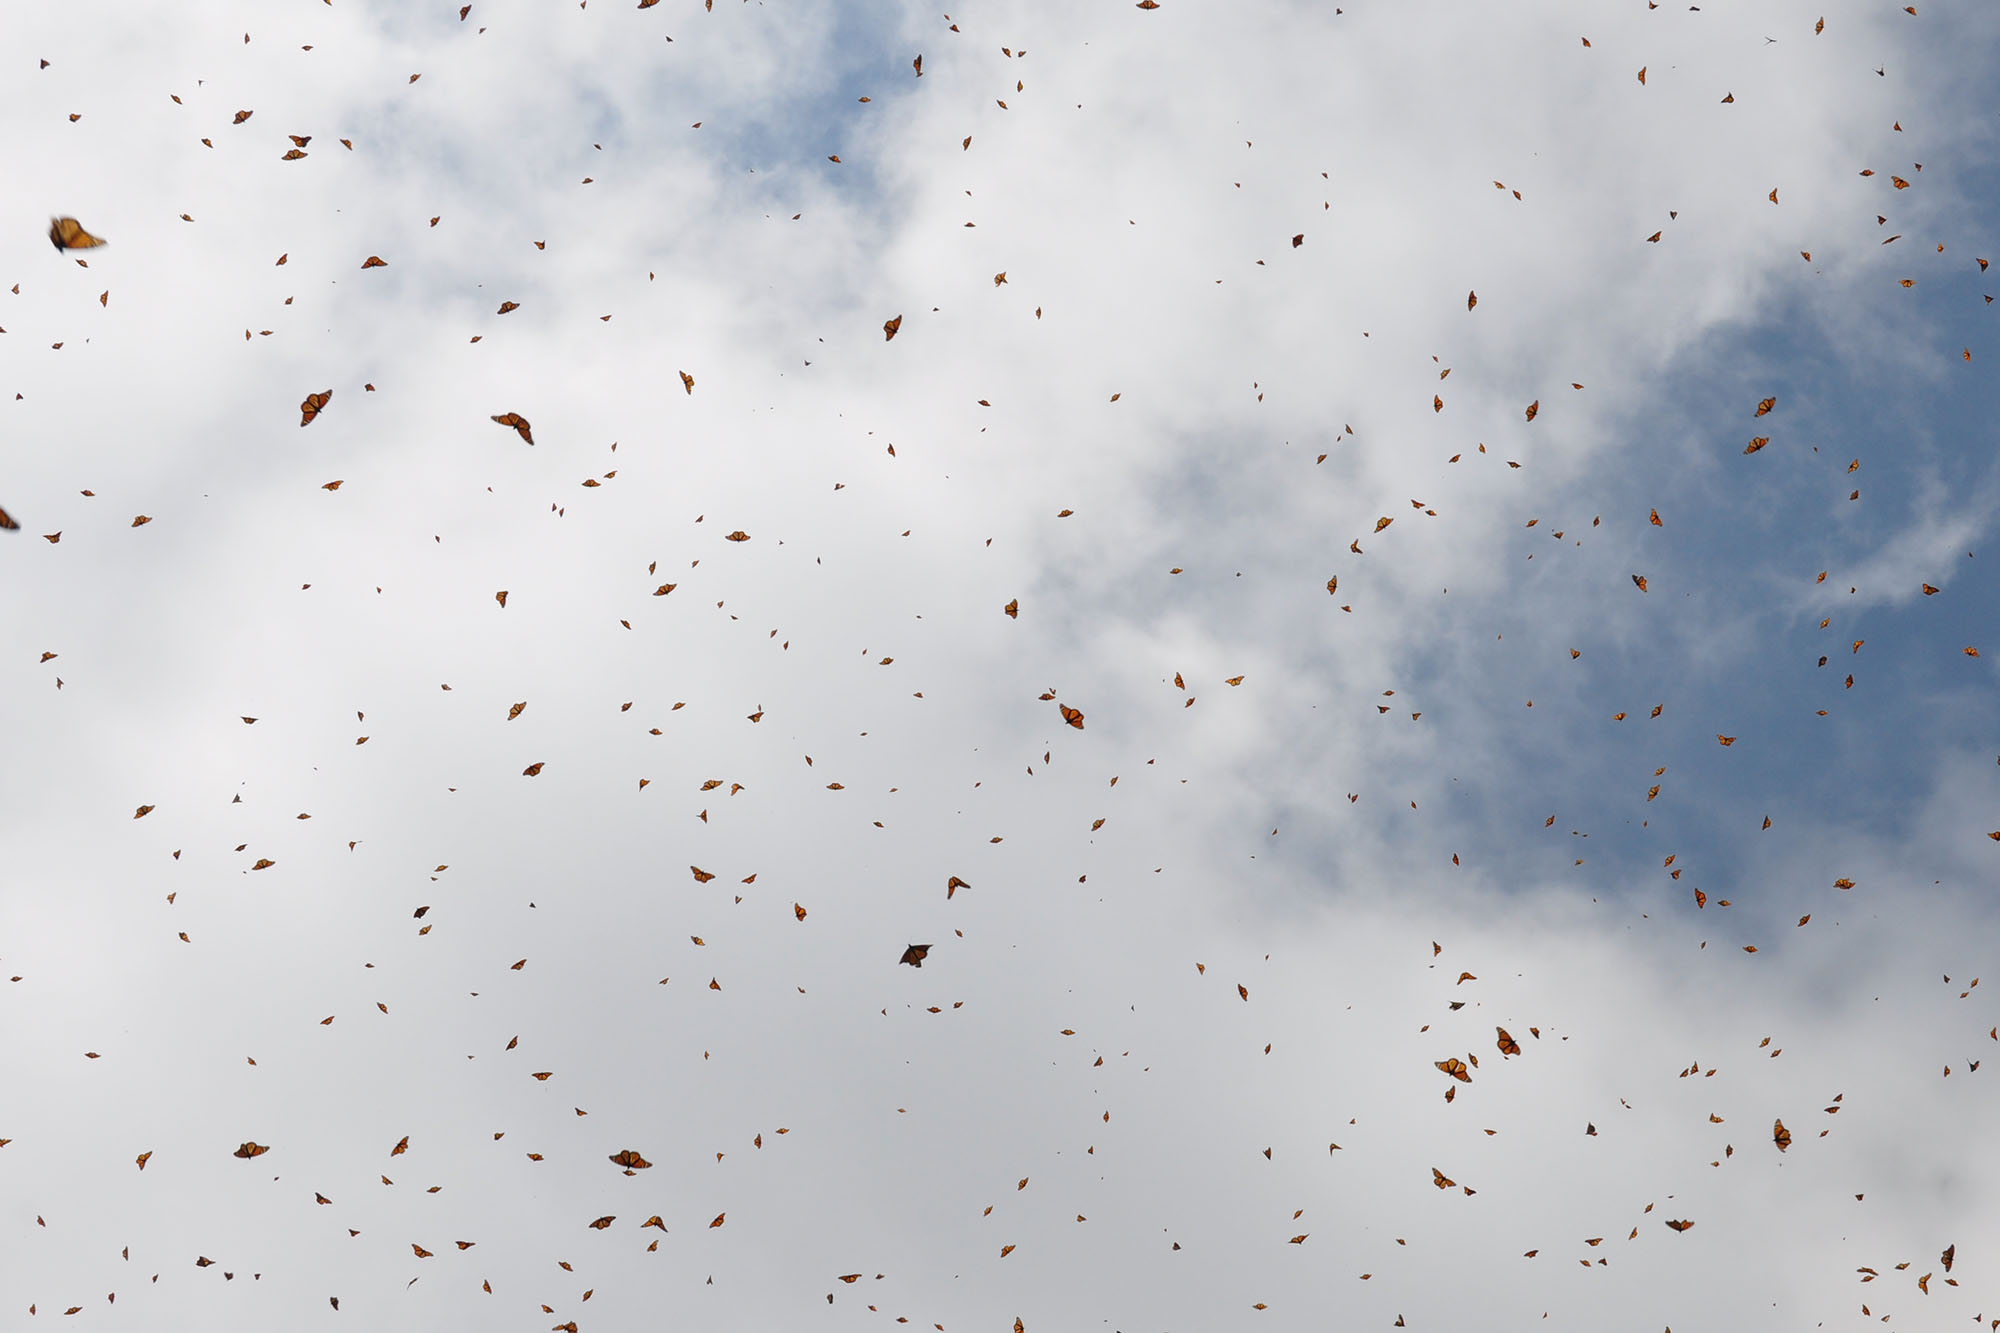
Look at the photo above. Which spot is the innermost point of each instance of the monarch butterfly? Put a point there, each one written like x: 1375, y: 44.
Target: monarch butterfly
x: 1507, y: 1044
x: 890, y: 327
x: 68, y: 234
x: 1441, y: 1180
x: 1680, y: 1225
x: 1071, y: 716
x: 1456, y: 1068
x: 630, y: 1160
x: 1780, y: 1135
x: 250, y: 1150
x: 520, y: 425
x: 7, y: 521
x: 603, y: 1222
x: 915, y: 955
x: 313, y: 405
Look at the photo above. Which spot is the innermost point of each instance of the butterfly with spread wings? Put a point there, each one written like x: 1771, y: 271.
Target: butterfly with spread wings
x: 68, y: 234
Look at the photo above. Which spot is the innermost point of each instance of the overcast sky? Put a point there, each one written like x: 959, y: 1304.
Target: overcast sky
x: 1344, y: 414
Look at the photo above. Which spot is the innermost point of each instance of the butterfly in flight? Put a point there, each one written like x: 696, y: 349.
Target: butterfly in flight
x: 7, y: 522
x: 915, y: 955
x: 520, y: 425
x: 68, y: 234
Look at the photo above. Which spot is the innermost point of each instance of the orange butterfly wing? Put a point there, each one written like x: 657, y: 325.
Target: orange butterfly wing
x: 68, y: 234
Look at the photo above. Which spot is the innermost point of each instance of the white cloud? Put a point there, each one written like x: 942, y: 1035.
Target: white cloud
x: 1130, y: 229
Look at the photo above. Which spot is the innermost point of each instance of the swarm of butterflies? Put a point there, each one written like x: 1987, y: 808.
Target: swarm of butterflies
x: 1461, y: 1068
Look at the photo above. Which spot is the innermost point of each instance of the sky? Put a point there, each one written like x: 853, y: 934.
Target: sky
x: 1295, y: 547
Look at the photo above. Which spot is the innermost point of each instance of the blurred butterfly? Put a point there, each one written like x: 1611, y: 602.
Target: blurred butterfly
x: 250, y: 1150
x: 630, y: 1160
x: 1456, y: 1068
x: 1780, y: 1135
x: 1071, y: 716
x: 603, y: 1222
x: 915, y: 955
x: 68, y: 234
x: 520, y: 425
x: 313, y: 405
x: 1507, y: 1044
x: 1680, y: 1225
x: 7, y: 521
x: 687, y: 381
x: 890, y: 327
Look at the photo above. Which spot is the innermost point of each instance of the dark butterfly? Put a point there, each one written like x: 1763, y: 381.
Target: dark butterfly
x: 915, y: 955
